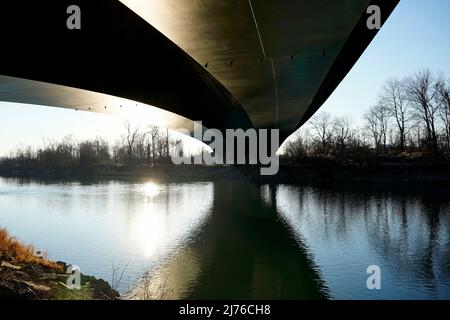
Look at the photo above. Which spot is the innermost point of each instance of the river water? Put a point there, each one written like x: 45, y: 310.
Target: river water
x: 232, y: 239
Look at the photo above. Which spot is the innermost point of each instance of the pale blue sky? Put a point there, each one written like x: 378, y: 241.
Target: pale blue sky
x: 416, y: 36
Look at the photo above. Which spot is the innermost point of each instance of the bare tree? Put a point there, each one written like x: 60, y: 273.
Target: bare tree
x: 140, y: 147
x: 421, y: 91
x: 296, y: 149
x: 154, y: 137
x: 443, y: 101
x: 132, y: 134
x: 168, y: 143
x: 102, y: 151
x: 393, y: 97
x: 343, y: 131
x: 323, y: 126
x: 377, y: 119
x: 148, y: 151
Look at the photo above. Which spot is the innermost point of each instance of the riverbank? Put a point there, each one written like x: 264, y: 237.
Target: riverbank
x: 314, y: 172
x: 28, y: 275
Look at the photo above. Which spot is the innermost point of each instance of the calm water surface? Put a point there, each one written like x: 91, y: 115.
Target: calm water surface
x: 238, y: 239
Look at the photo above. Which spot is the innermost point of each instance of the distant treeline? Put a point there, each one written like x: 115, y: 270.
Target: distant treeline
x: 134, y: 148
x: 410, y: 120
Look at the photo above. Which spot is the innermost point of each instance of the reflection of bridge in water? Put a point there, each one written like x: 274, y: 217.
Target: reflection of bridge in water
x: 243, y: 251
x: 231, y: 64
x: 291, y: 241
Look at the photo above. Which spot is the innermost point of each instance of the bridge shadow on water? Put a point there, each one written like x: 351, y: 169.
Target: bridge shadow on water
x: 244, y: 250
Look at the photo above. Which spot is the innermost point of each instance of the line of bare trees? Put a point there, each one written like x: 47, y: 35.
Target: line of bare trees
x: 411, y: 118
x: 136, y: 147
x: 412, y: 115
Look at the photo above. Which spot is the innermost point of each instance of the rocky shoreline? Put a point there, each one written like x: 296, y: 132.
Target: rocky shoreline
x: 32, y: 281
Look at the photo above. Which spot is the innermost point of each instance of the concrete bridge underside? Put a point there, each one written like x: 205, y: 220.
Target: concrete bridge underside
x: 228, y: 63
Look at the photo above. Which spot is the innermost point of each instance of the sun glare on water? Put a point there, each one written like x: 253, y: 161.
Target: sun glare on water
x: 151, y: 189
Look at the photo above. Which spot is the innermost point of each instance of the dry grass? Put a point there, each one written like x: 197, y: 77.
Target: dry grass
x: 22, y: 253
x: 152, y: 286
